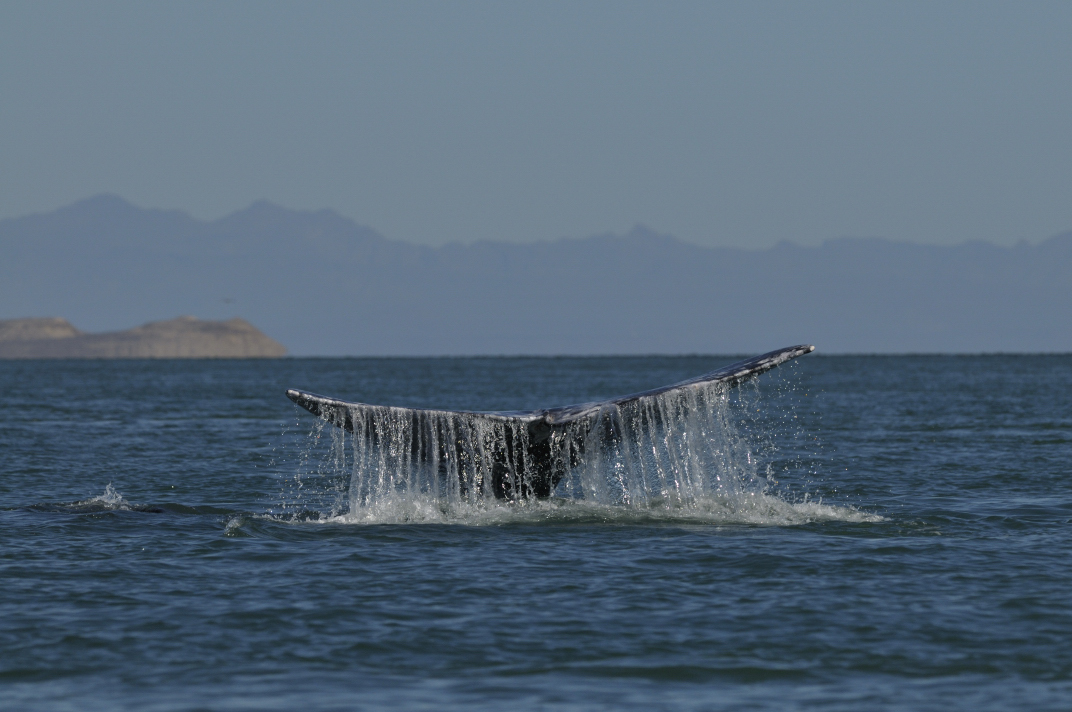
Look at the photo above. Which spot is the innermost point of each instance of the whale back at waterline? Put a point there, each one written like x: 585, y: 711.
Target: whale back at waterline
x: 519, y: 454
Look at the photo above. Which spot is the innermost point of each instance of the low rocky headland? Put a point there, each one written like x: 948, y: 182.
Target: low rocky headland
x: 185, y: 337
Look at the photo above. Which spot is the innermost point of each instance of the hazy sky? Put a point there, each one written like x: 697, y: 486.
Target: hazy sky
x: 724, y: 124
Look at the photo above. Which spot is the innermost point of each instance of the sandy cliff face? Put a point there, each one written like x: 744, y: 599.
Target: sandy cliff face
x: 185, y: 337
x: 36, y: 329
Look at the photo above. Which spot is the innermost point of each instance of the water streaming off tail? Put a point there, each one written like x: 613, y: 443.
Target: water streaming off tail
x: 688, y: 454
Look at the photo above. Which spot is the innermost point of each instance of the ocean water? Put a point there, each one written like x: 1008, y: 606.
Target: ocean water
x: 892, y: 533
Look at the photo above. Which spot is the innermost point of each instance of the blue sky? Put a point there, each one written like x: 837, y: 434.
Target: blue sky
x: 724, y: 124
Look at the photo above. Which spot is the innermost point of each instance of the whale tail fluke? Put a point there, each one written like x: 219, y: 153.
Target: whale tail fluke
x: 518, y: 454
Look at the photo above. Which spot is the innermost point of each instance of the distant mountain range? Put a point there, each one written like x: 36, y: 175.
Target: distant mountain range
x: 324, y: 285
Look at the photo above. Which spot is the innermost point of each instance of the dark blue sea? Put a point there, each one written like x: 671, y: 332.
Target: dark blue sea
x: 177, y: 535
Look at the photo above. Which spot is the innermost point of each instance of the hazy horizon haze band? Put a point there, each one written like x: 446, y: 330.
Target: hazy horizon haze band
x: 724, y: 124
x: 641, y: 227
x: 323, y: 284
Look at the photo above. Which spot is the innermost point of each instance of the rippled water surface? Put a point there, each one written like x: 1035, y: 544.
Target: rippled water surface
x: 177, y: 535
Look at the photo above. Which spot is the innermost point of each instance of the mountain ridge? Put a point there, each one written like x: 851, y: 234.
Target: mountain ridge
x: 325, y: 284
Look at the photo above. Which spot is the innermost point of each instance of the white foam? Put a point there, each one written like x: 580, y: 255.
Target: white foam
x: 764, y: 509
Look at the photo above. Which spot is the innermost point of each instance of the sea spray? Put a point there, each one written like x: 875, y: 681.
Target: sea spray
x: 701, y: 454
x: 316, y: 487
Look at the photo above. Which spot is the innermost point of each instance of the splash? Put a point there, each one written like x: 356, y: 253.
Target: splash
x: 688, y: 455
x: 109, y: 500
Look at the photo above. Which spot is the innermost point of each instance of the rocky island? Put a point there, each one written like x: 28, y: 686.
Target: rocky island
x: 185, y: 337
